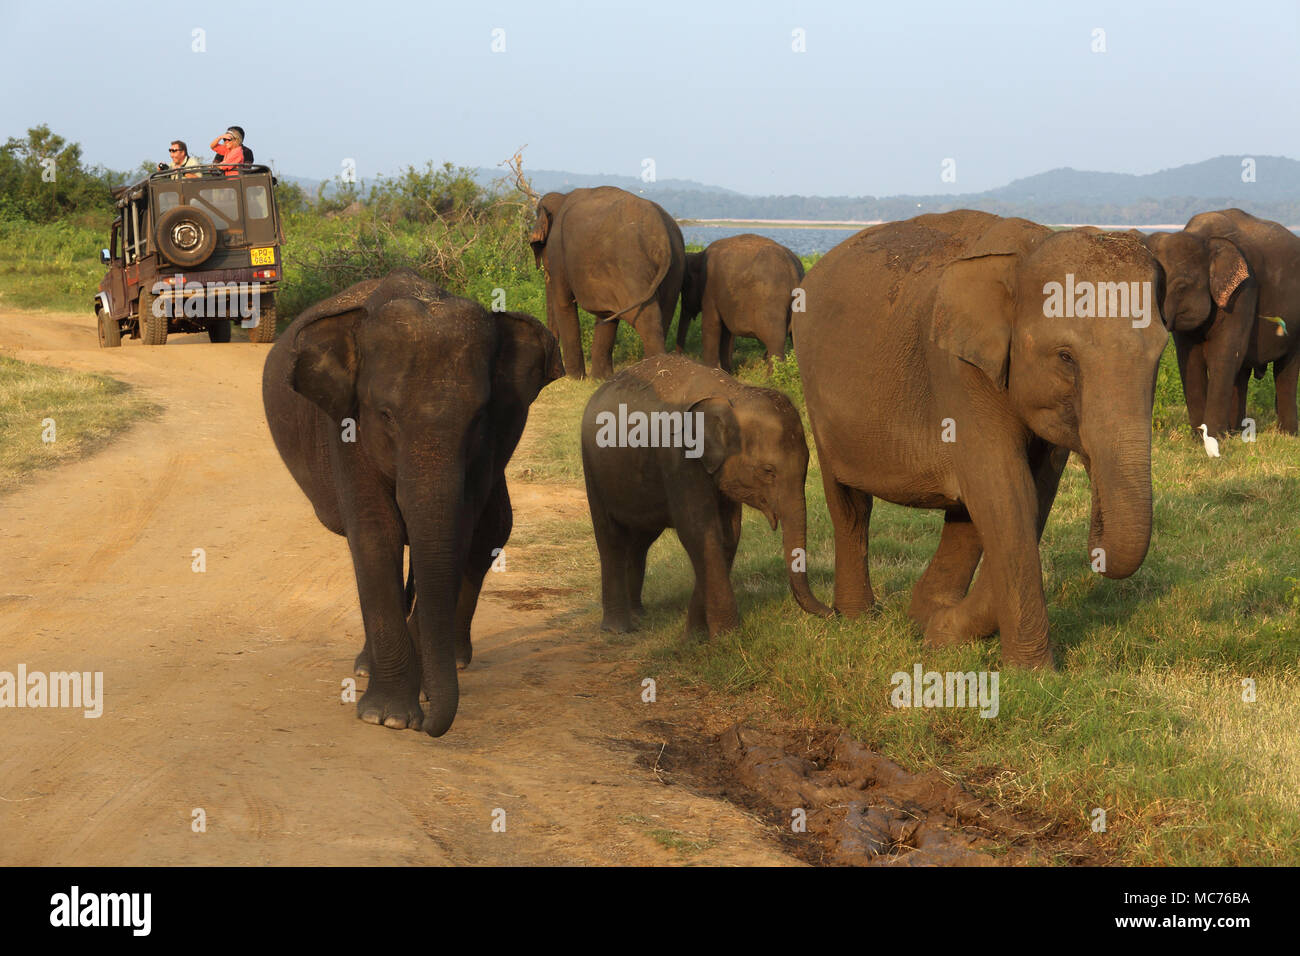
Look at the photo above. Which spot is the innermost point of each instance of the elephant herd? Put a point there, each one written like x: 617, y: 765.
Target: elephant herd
x: 619, y: 256
x: 951, y: 361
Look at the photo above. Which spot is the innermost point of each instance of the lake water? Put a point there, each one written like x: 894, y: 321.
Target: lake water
x: 803, y: 242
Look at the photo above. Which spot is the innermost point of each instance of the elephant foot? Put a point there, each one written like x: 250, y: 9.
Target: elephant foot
x: 952, y: 625
x: 722, y: 628
x: 1037, y: 655
x: 856, y: 612
x: 923, y: 608
x: 464, y: 652
x: 394, y: 705
x: 361, y: 666
x: 616, y: 623
x: 856, y: 608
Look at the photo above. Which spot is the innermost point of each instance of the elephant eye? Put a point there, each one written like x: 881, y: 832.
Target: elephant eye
x: 1065, y: 356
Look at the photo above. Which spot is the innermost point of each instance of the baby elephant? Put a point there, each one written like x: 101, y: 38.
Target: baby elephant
x: 671, y: 443
x: 744, y: 285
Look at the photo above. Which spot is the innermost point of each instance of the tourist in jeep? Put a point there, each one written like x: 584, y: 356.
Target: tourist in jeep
x: 180, y: 157
x: 229, y: 148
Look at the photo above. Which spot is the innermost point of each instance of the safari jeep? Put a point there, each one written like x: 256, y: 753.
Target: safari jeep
x: 192, y: 251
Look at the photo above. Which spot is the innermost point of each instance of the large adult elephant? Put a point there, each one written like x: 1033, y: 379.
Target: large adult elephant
x: 1273, y: 254
x: 617, y: 256
x: 953, y: 361
x: 743, y: 285
x: 396, y: 406
x: 1209, y: 305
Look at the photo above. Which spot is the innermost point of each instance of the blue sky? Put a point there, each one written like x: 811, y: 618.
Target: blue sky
x: 711, y: 91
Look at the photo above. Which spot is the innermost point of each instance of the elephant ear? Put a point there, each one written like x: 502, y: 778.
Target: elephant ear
x: 972, y: 313
x: 1228, y: 270
x: 527, y: 360
x: 325, y: 350
x: 720, y: 433
x: 547, y: 207
x: 541, y: 227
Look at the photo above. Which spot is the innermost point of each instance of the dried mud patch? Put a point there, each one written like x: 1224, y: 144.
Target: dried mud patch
x: 529, y: 599
x: 858, y: 807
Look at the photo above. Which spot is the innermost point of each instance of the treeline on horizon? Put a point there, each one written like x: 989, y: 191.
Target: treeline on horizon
x: 44, y: 178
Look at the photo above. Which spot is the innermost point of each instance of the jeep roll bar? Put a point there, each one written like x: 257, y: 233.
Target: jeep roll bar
x: 207, y: 169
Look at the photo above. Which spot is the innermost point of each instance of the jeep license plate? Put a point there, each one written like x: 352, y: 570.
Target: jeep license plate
x: 263, y: 257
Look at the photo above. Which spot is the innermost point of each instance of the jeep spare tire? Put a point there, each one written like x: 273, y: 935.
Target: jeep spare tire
x: 185, y: 235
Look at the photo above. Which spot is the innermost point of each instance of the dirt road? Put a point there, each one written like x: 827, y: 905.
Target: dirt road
x: 223, y: 688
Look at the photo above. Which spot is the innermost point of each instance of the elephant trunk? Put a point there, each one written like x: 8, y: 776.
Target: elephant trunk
x: 794, y: 533
x: 438, y: 558
x: 1119, y: 470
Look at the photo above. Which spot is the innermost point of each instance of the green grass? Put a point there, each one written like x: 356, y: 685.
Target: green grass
x: 53, y: 266
x: 669, y: 839
x: 1145, y: 719
x: 87, y: 410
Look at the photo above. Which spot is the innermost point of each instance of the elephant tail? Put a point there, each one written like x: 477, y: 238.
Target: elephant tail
x: 410, y: 588
x: 654, y: 290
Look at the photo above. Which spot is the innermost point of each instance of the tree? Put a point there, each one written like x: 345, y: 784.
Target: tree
x: 43, y: 178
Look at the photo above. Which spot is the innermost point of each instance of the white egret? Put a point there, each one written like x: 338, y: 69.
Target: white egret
x: 1211, y: 444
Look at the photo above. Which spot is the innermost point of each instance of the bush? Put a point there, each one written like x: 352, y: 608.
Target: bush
x: 439, y: 222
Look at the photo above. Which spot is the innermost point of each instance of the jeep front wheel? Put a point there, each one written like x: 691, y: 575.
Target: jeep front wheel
x: 110, y: 333
x: 153, y: 328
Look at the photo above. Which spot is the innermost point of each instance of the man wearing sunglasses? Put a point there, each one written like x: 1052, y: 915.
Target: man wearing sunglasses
x: 179, y: 156
x: 229, y: 148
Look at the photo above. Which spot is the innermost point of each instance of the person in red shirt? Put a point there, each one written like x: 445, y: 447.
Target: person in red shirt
x: 229, y: 148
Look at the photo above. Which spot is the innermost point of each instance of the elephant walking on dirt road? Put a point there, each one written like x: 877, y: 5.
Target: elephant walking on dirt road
x: 942, y: 369
x: 396, y: 406
x: 617, y: 256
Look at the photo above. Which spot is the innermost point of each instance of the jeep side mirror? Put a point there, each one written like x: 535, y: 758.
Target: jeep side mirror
x: 105, y: 256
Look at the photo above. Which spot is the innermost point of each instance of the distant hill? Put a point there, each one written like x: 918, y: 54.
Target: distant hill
x: 1170, y: 196
x: 1277, y: 179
